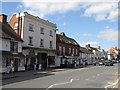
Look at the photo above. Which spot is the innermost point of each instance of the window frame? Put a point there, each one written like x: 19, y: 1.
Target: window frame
x: 16, y: 26
x: 42, y: 30
x: 42, y: 41
x: 51, y: 33
x: 51, y: 44
x: 31, y: 25
x: 31, y: 40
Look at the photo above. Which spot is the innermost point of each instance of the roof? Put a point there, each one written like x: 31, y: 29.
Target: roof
x: 38, y: 18
x: 84, y: 50
x: 65, y: 39
x: 92, y: 48
x: 8, y: 32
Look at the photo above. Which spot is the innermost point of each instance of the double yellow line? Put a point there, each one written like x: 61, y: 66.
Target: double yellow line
x: 116, y: 82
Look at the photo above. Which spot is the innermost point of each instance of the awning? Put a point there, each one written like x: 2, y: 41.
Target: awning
x: 10, y: 54
x: 41, y: 49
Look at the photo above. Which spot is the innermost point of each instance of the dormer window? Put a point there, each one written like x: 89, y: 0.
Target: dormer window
x: 16, y: 25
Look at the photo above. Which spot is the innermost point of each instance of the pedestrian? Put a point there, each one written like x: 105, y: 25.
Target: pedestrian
x: 34, y: 66
x: 40, y: 66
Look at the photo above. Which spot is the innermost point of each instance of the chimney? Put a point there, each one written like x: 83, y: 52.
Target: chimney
x: 62, y: 33
x: 88, y: 46
x: 3, y: 18
x: 99, y: 47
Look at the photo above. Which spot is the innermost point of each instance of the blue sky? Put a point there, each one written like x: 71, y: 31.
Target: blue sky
x: 85, y: 22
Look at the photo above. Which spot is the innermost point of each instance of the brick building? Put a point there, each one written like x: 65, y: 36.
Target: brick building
x: 68, y: 50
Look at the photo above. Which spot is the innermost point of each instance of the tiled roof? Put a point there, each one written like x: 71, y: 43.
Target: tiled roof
x: 92, y: 48
x: 8, y: 32
x: 65, y: 39
x: 84, y: 50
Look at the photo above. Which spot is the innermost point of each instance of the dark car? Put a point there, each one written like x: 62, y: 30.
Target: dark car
x: 109, y: 63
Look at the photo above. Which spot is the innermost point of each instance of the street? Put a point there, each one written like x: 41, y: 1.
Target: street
x: 87, y: 77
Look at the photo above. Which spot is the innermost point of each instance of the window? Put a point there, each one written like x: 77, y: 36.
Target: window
x: 42, y: 30
x: 41, y: 43
x: 69, y: 50
x: 63, y: 50
x: 31, y: 41
x: 16, y: 25
x: 73, y: 51
x: 60, y: 49
x: 13, y: 46
x: 50, y: 44
x: 51, y: 33
x: 76, y: 52
x: 31, y: 27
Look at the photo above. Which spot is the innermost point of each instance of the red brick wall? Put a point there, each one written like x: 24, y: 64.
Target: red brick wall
x: 14, y: 20
x: 67, y: 46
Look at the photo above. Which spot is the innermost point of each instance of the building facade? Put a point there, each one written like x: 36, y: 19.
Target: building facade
x: 68, y: 50
x: 10, y: 48
x: 39, y: 37
x: 86, y: 56
x: 114, y: 53
x: 98, y: 53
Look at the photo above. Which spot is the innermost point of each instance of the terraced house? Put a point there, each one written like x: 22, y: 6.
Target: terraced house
x: 86, y: 56
x: 39, y: 37
x: 12, y: 58
x: 68, y: 50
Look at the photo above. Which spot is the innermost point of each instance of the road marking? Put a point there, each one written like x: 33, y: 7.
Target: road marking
x: 98, y: 74
x: 60, y: 83
x: 87, y: 79
x: 112, y: 84
x: 116, y: 82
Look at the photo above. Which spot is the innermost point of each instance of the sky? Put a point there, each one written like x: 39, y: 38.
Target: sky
x: 92, y: 22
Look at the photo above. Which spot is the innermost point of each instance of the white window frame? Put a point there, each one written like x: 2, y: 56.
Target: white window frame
x: 41, y: 42
x: 30, y: 38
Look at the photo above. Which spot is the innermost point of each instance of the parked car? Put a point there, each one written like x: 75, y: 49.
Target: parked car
x: 94, y: 63
x: 101, y: 63
x: 109, y: 63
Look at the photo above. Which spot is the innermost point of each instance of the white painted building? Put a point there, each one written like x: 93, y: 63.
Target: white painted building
x: 10, y: 48
x: 86, y: 56
x: 39, y: 38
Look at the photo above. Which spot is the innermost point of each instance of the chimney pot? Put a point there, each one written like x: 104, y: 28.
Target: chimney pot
x: 62, y: 33
x: 3, y: 18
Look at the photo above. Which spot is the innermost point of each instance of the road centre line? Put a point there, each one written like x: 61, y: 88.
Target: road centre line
x: 60, y: 83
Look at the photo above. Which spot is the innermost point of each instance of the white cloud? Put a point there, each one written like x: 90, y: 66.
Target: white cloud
x: 109, y: 34
x: 64, y: 24
x: 103, y: 11
x: 86, y: 35
x: 91, y: 43
x: 99, y: 9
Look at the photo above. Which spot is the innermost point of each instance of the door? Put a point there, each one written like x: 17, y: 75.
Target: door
x: 15, y: 65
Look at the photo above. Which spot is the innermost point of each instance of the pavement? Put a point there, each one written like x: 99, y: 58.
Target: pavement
x: 87, y: 77
x: 35, y: 72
